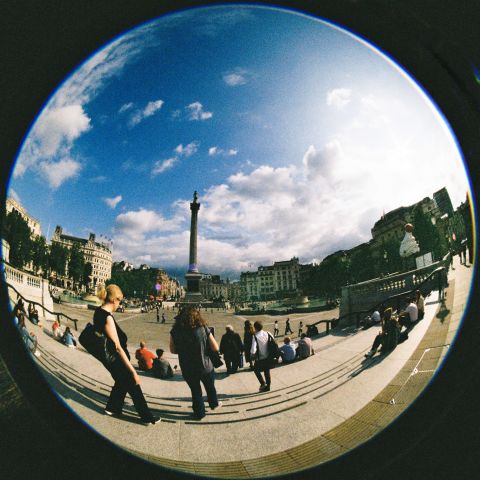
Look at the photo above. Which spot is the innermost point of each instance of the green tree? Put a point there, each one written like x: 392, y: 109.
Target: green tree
x: 426, y: 233
x: 76, y: 263
x: 362, y: 266
x: 40, y: 257
x: 135, y: 281
x: 18, y: 234
x: 57, y: 258
x: 87, y: 274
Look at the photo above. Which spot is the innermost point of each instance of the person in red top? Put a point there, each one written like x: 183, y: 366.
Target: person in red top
x: 144, y: 356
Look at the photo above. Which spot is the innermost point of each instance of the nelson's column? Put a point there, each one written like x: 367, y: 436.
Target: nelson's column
x: 193, y: 277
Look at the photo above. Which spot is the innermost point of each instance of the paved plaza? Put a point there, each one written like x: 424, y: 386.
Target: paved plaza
x: 328, y: 403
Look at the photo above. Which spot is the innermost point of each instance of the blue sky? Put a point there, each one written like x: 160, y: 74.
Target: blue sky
x: 296, y: 135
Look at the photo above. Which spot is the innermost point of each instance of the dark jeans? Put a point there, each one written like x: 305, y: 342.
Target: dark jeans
x: 232, y: 362
x: 262, y: 366
x: 124, y: 383
x: 208, y: 380
x: 378, y: 341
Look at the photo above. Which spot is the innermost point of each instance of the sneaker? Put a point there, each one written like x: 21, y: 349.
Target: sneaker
x: 153, y: 420
x: 264, y: 388
x: 218, y: 406
x: 112, y: 414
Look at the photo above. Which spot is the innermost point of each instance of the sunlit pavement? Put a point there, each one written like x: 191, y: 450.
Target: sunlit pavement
x: 327, y: 403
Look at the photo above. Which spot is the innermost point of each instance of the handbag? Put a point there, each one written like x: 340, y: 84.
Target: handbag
x: 213, y: 356
x: 273, y: 349
x: 96, y: 344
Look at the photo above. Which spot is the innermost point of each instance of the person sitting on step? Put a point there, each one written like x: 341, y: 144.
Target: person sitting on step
x: 144, y: 356
x: 388, y: 336
x: 287, y: 350
x: 161, y: 368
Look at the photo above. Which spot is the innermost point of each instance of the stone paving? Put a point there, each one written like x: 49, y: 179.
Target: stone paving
x: 328, y: 403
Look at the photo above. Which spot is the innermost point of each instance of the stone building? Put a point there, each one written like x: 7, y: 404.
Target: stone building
x: 169, y: 287
x: 99, y: 254
x: 277, y: 281
x: 213, y: 288
x: 33, y: 223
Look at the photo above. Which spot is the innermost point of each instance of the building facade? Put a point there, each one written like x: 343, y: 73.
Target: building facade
x: 33, y: 224
x: 271, y: 282
x: 98, y: 254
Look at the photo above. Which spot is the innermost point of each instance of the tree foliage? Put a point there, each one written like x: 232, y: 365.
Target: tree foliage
x: 40, y: 255
x: 58, y: 258
x: 18, y: 234
x: 135, y: 282
x: 426, y: 233
x: 76, y: 263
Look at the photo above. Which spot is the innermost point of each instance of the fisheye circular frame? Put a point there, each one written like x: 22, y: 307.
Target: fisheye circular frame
x: 27, y: 398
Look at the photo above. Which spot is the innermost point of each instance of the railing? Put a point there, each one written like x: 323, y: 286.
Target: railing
x: 394, y: 300
x: 57, y: 314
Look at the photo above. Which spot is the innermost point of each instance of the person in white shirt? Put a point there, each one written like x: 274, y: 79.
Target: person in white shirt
x: 420, y: 301
x: 410, y: 315
x: 259, y: 351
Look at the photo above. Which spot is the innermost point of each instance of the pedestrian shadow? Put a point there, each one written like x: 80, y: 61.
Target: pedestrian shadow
x: 177, y: 376
x: 84, y: 396
x: 369, y: 363
x: 443, y: 312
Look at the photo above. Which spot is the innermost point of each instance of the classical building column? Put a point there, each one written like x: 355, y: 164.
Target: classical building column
x: 194, y: 208
x: 192, y: 276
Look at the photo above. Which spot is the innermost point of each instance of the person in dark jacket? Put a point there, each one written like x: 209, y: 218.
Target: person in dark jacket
x: 231, y: 347
x: 191, y: 338
x: 122, y: 371
x: 248, y: 334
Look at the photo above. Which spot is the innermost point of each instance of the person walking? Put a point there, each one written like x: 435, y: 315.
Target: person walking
x: 122, y: 371
x: 248, y: 333
x: 231, y: 347
x: 191, y: 339
x: 288, y: 328
x: 163, y: 317
x: 259, y: 351
x: 276, y: 331
x: 300, y: 328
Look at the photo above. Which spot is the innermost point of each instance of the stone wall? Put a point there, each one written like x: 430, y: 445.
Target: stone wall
x: 365, y: 295
x: 31, y: 287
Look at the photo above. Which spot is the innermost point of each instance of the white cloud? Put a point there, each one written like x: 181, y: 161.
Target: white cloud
x: 112, y: 202
x: 196, y: 112
x: 125, y: 107
x: 58, y: 172
x: 236, y: 77
x: 63, y: 120
x: 12, y: 193
x: 99, y: 179
x: 320, y: 163
x: 187, y: 150
x: 161, y: 166
x: 339, y: 97
x: 141, y: 114
x: 213, y: 151
x: 135, y: 224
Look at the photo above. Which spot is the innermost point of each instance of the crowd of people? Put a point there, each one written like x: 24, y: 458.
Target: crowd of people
x: 194, y: 343
x: 395, y: 326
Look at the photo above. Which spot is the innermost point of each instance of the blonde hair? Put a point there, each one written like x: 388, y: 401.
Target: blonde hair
x: 110, y: 293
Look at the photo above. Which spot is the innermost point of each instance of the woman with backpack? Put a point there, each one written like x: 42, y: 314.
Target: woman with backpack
x: 191, y: 339
x: 121, y: 369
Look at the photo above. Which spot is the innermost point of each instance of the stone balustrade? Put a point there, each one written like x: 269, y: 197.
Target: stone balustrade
x: 365, y: 295
x: 31, y: 287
